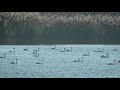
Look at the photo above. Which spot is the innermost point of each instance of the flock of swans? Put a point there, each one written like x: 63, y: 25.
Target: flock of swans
x: 36, y: 54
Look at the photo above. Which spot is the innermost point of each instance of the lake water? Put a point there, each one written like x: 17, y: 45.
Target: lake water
x: 53, y: 63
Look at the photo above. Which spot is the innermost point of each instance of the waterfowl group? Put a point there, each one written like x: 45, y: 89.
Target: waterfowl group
x: 36, y: 54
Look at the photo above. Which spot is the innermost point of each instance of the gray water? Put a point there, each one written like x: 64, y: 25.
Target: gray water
x: 57, y: 64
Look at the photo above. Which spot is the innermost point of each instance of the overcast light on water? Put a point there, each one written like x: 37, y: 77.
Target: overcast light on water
x: 59, y: 44
x: 59, y: 61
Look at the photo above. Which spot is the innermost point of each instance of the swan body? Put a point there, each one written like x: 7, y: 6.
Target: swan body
x: 14, y: 62
x: 86, y: 54
x: 103, y: 56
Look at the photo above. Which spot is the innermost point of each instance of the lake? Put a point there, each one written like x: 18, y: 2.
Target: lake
x: 62, y: 61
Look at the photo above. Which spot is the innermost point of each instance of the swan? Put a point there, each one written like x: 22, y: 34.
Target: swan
x: 13, y: 51
x: 54, y: 48
x: 34, y: 53
x: 86, y: 54
x: 36, y: 50
x: 115, y: 49
x: 3, y: 56
x: 75, y: 61
x: 69, y: 50
x: 14, y: 62
x: 111, y: 63
x: 78, y: 60
x: 37, y: 63
x: 95, y: 50
x: 101, y: 50
x: 10, y: 51
x: 63, y: 51
x: 40, y: 62
x: 26, y: 49
x: 103, y: 56
x: 37, y: 55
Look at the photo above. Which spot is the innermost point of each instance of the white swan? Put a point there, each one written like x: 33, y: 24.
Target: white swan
x: 115, y: 49
x: 13, y: 50
x: 64, y: 50
x: 14, y: 62
x: 103, y: 56
x: 3, y: 56
x: 79, y: 60
x: 36, y: 55
x: 69, y: 50
x: 86, y: 54
x: 111, y: 63
x: 36, y: 50
x: 54, y: 48
x: 26, y: 49
x: 40, y: 62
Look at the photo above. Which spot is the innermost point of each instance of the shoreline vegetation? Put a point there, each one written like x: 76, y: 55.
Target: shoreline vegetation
x: 35, y: 28
x: 47, y: 42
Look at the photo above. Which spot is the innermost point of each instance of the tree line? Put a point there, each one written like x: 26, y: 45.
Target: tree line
x: 35, y: 32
